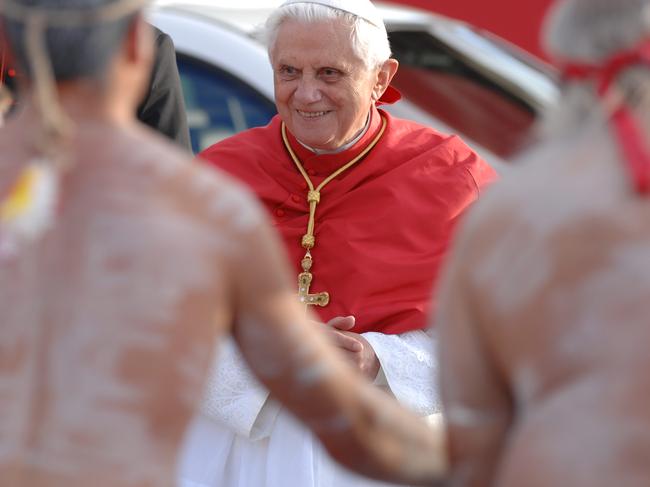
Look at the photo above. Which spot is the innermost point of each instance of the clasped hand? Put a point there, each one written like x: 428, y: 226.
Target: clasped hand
x: 354, y: 346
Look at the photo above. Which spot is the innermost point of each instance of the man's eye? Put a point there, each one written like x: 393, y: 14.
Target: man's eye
x: 288, y: 71
x: 329, y: 72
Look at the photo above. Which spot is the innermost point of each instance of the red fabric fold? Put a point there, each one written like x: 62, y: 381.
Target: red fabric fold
x: 383, y: 227
x: 390, y: 96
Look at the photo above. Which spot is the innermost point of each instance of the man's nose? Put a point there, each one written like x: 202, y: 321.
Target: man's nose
x: 307, y: 91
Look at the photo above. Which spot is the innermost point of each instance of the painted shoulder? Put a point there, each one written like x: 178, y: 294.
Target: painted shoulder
x: 214, y: 194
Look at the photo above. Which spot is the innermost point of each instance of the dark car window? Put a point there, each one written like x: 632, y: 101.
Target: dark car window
x: 218, y: 104
x: 441, y: 83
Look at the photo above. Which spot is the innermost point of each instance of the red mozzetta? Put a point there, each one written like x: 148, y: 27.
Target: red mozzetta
x: 382, y: 227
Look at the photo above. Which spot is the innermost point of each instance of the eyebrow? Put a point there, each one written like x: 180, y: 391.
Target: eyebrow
x: 322, y: 65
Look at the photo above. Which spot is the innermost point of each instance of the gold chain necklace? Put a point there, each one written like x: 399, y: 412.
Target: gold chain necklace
x: 305, y: 278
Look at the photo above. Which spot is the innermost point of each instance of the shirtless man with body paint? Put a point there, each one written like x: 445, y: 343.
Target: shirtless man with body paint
x: 544, y: 323
x: 120, y: 264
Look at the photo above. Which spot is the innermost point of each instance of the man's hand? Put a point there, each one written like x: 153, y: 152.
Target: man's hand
x: 356, y: 348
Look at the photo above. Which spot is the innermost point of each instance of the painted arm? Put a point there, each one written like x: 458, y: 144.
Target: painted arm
x: 476, y: 402
x: 404, y: 365
x: 235, y: 397
x: 361, y: 427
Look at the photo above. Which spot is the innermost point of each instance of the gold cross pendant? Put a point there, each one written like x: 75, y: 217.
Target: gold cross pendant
x: 304, y: 283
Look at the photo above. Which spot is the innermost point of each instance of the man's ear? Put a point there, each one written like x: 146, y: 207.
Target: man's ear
x: 384, y: 77
x: 139, y: 43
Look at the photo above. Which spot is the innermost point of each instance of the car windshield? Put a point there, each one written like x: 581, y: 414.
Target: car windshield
x: 218, y: 104
x: 485, y: 96
x: 527, y: 76
x: 449, y: 89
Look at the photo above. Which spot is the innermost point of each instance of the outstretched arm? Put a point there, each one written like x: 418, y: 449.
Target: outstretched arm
x: 361, y: 427
x: 476, y: 401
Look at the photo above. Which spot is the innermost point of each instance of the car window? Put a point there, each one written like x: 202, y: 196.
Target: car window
x: 218, y: 104
x: 442, y: 83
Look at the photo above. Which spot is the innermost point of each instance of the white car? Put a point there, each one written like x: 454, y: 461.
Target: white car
x: 454, y: 77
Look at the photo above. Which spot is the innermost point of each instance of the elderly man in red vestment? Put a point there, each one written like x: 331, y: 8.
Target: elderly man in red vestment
x: 365, y: 204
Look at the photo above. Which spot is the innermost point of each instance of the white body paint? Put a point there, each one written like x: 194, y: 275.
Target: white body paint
x: 98, y: 368
x: 556, y: 262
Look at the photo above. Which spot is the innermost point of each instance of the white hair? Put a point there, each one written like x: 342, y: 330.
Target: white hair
x: 369, y: 42
x: 590, y: 32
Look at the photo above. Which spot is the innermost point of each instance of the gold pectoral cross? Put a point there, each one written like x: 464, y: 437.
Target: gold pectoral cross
x: 304, y: 283
x: 313, y: 199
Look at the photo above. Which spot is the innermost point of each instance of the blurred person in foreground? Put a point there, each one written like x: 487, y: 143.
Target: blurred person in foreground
x: 544, y: 309
x: 120, y: 264
x: 366, y: 204
x: 162, y: 107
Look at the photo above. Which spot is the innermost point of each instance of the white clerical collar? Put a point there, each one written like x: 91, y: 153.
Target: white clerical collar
x: 343, y: 148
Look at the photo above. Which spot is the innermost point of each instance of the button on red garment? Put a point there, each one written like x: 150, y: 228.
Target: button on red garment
x: 311, y: 172
x: 279, y: 212
x: 295, y: 198
x: 304, y: 185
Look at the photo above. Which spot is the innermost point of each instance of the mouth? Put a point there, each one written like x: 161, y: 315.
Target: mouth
x: 312, y: 115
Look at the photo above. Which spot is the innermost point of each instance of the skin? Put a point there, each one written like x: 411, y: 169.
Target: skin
x: 543, y: 322
x: 323, y: 91
x: 129, y: 191
x: 356, y: 349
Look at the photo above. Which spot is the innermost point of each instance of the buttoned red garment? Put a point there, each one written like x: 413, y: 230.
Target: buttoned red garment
x: 382, y: 228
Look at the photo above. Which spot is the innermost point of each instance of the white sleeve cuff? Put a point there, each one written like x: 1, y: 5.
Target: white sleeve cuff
x: 408, y: 368
x: 233, y: 396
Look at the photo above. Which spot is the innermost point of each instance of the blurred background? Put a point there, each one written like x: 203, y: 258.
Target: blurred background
x: 515, y: 20
x: 467, y: 67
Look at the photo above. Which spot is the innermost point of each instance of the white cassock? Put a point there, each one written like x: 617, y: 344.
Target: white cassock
x: 242, y: 438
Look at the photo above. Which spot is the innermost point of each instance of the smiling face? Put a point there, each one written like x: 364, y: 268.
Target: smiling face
x: 323, y: 90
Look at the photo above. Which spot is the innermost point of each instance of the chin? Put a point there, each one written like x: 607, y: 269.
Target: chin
x: 321, y: 143
x: 311, y: 139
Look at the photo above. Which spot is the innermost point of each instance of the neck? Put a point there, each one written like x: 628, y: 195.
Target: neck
x: 83, y: 102
x: 346, y: 145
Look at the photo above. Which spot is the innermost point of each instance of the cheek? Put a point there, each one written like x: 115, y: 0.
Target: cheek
x: 282, y: 92
x: 355, y: 95
x: 278, y: 87
x: 338, y: 97
x: 366, y: 86
x: 350, y: 103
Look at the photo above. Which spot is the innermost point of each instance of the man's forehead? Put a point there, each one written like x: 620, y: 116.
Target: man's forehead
x: 301, y: 59
x: 319, y: 64
x: 318, y: 43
